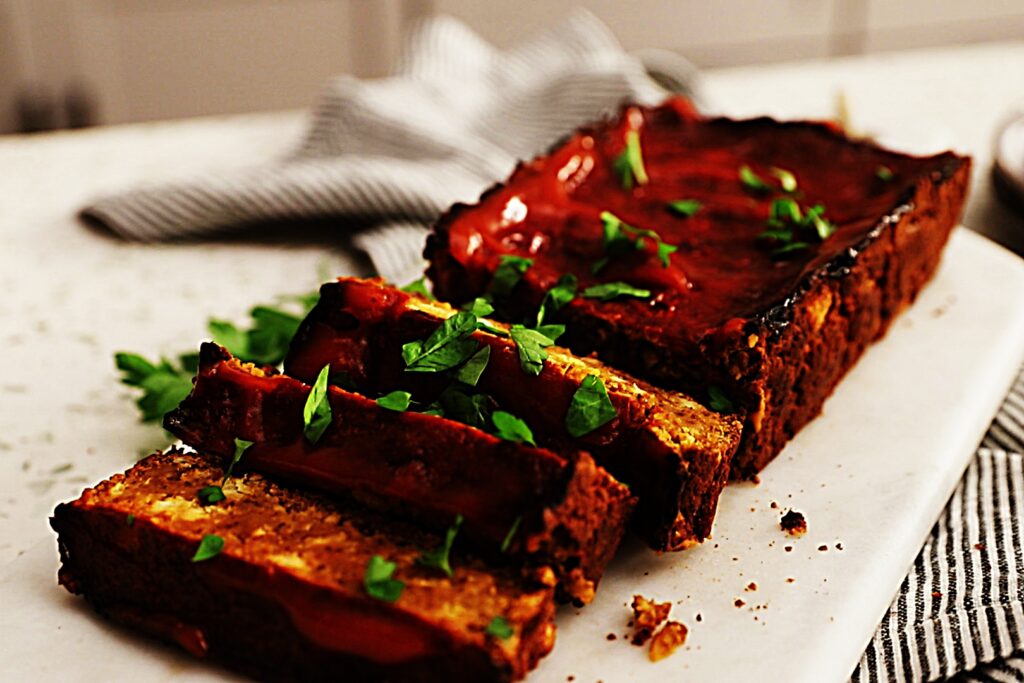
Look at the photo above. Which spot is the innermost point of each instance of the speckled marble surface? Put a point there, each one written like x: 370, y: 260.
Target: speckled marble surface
x: 72, y: 297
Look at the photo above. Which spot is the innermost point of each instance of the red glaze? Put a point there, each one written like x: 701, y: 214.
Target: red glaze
x: 550, y: 211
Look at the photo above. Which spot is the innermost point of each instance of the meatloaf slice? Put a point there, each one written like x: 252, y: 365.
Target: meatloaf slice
x: 286, y: 598
x: 672, y: 452
x: 773, y: 253
x: 545, y: 508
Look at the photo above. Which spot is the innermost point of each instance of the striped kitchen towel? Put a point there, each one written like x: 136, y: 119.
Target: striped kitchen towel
x: 456, y: 116
x: 960, y: 612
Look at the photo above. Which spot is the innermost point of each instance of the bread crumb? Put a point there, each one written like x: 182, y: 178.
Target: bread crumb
x: 739, y: 603
x: 751, y: 586
x: 667, y: 640
x: 794, y: 523
x: 647, y: 616
x: 790, y: 580
x: 610, y: 636
x: 822, y: 548
x: 789, y: 548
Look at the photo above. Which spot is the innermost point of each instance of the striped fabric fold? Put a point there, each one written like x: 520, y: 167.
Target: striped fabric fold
x: 455, y: 116
x: 959, y: 614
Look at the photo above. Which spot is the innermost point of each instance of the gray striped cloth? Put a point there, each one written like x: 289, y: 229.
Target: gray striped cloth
x: 456, y: 116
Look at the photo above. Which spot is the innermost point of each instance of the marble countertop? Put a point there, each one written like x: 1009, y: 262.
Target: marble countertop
x: 74, y: 296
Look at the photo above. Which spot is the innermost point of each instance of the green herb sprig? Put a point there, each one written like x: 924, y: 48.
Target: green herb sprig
x: 210, y: 546
x: 620, y: 238
x: 316, y: 414
x: 615, y: 290
x: 164, y: 384
x: 684, y: 207
x: 510, y: 428
x: 590, y: 407
x: 629, y: 165
x: 447, y: 347
x: 378, y: 581
x: 397, y: 401
x: 419, y: 287
x: 439, y: 558
x: 499, y: 628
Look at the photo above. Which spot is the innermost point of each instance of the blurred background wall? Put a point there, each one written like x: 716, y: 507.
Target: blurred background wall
x: 68, y: 63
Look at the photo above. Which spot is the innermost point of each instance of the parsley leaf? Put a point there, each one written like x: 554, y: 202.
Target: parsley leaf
x: 377, y: 581
x: 684, y: 207
x: 556, y: 298
x: 419, y: 287
x: 164, y: 385
x: 471, y: 370
x: 438, y: 558
x: 316, y: 414
x: 787, y: 181
x: 752, y: 181
x: 884, y: 173
x: 620, y: 238
x: 506, y: 543
x: 531, y: 345
x: 130, y: 520
x: 462, y: 406
x: 510, y: 428
x: 786, y: 221
x: 590, y: 407
x: 629, y: 165
x: 447, y: 347
x: 480, y: 307
x: 208, y: 495
x: 266, y: 342
x: 209, y: 547
x: 396, y: 400
x: 507, y: 275
x: 719, y: 402
x: 241, y: 446
x: 499, y: 628
x: 612, y: 290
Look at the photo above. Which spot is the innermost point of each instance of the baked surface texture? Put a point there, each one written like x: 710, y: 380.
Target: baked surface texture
x: 284, y: 600
x: 568, y: 513
x: 672, y: 452
x: 730, y: 310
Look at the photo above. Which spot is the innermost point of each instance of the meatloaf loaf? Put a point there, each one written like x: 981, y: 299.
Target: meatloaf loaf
x: 672, y: 452
x: 290, y: 586
x: 771, y: 253
x: 544, y: 508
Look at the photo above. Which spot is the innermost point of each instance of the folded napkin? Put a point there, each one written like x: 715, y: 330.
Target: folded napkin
x: 455, y: 117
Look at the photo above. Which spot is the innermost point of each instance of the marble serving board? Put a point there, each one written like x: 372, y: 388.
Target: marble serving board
x: 871, y: 474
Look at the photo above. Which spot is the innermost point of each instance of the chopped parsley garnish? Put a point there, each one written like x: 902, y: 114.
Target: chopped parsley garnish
x: 377, y: 581
x: 510, y: 428
x: 209, y: 547
x: 613, y: 290
x: 164, y: 385
x: 130, y: 520
x: 531, y: 345
x: 752, y: 181
x: 447, y: 347
x: 316, y: 414
x: 471, y: 370
x: 438, y: 558
x: 241, y: 446
x: 456, y: 403
x: 556, y: 298
x: 507, y: 275
x: 397, y: 401
x: 789, y: 227
x: 684, y: 207
x: 499, y: 628
x: 787, y: 181
x: 620, y: 238
x: 480, y: 307
x: 884, y: 173
x: 590, y: 407
x: 419, y: 287
x: 506, y: 543
x: 719, y: 402
x: 629, y: 165
x: 210, y: 495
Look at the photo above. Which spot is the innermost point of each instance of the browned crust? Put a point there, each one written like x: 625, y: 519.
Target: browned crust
x: 797, y: 358
x: 572, y: 513
x: 672, y: 452
x: 244, y: 607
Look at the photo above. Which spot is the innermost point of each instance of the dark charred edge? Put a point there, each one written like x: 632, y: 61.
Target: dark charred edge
x: 559, y: 526
x: 155, y: 590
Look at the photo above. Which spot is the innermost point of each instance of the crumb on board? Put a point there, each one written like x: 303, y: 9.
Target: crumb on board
x: 610, y: 636
x: 739, y: 602
x: 790, y: 580
x: 794, y: 523
x: 789, y: 548
x: 666, y: 641
x: 647, y: 615
x: 822, y: 548
x: 752, y: 586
